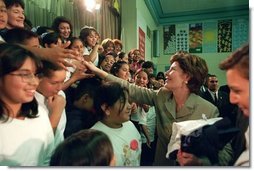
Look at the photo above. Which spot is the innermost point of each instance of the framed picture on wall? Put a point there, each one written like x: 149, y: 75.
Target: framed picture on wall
x: 224, y: 36
x: 195, y: 38
x: 169, y: 39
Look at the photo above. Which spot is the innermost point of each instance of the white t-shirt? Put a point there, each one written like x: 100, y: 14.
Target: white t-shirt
x: 59, y: 133
x: 87, y: 51
x: 149, y: 119
x: 126, y: 142
x: 28, y: 142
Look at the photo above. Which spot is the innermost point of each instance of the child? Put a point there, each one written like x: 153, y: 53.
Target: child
x: 80, y: 112
x: 50, y: 84
x: 89, y: 37
x: 120, y: 69
x: 51, y: 97
x: 84, y: 148
x: 141, y: 79
x: 50, y: 40
x: 146, y: 121
x: 76, y: 73
x: 113, y: 109
x: 26, y: 135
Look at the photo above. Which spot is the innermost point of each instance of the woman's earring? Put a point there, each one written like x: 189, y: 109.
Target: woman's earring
x: 186, y: 82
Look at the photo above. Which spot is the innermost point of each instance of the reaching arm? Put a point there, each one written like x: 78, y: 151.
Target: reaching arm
x: 57, y: 55
x: 137, y: 94
x: 90, y: 66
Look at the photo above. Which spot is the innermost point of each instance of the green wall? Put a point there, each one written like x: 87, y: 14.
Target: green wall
x: 135, y: 14
x: 129, y: 24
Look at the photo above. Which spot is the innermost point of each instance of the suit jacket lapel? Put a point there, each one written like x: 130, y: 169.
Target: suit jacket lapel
x: 186, y: 109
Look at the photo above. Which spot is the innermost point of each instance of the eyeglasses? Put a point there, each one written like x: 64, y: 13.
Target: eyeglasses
x: 213, y: 81
x: 28, y: 77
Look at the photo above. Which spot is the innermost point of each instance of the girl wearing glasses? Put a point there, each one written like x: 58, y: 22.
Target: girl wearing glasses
x: 26, y: 137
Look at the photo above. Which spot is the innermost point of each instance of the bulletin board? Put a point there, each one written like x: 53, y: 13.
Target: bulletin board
x: 215, y: 36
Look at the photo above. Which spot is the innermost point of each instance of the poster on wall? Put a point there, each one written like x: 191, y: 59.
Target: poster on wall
x: 182, y: 35
x: 195, y: 38
x: 169, y: 35
x: 209, y: 37
x: 141, y: 43
x: 240, y: 32
x: 224, y: 36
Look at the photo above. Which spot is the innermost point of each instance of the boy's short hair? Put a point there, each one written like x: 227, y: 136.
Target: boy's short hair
x: 87, y: 86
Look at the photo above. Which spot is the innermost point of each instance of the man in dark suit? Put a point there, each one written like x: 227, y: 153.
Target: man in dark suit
x: 218, y: 98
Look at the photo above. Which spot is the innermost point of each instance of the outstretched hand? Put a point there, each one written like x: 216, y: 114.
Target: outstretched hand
x: 62, y: 56
x: 91, y: 68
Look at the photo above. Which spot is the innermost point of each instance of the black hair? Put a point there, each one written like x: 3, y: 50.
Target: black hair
x: 19, y: 35
x: 10, y: 3
x: 48, y: 67
x: 116, y: 67
x: 61, y: 19
x: 121, y: 55
x: 87, y: 86
x: 48, y: 38
x: 109, y: 93
x: 42, y: 29
x: 72, y: 40
x: 87, y: 147
x: 160, y: 75
x: 148, y: 64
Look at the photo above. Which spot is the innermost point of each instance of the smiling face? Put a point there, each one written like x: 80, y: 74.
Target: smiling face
x: 141, y: 79
x: 16, y: 17
x: 64, y: 30
x: 107, y: 63
x: 14, y: 90
x: 175, y: 77
x: 239, y: 90
x: 92, y: 39
x: 136, y: 55
x: 3, y: 15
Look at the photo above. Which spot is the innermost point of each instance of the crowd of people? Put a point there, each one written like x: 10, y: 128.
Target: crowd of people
x: 70, y: 100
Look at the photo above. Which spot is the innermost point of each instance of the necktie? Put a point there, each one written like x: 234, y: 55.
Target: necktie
x: 215, y: 99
